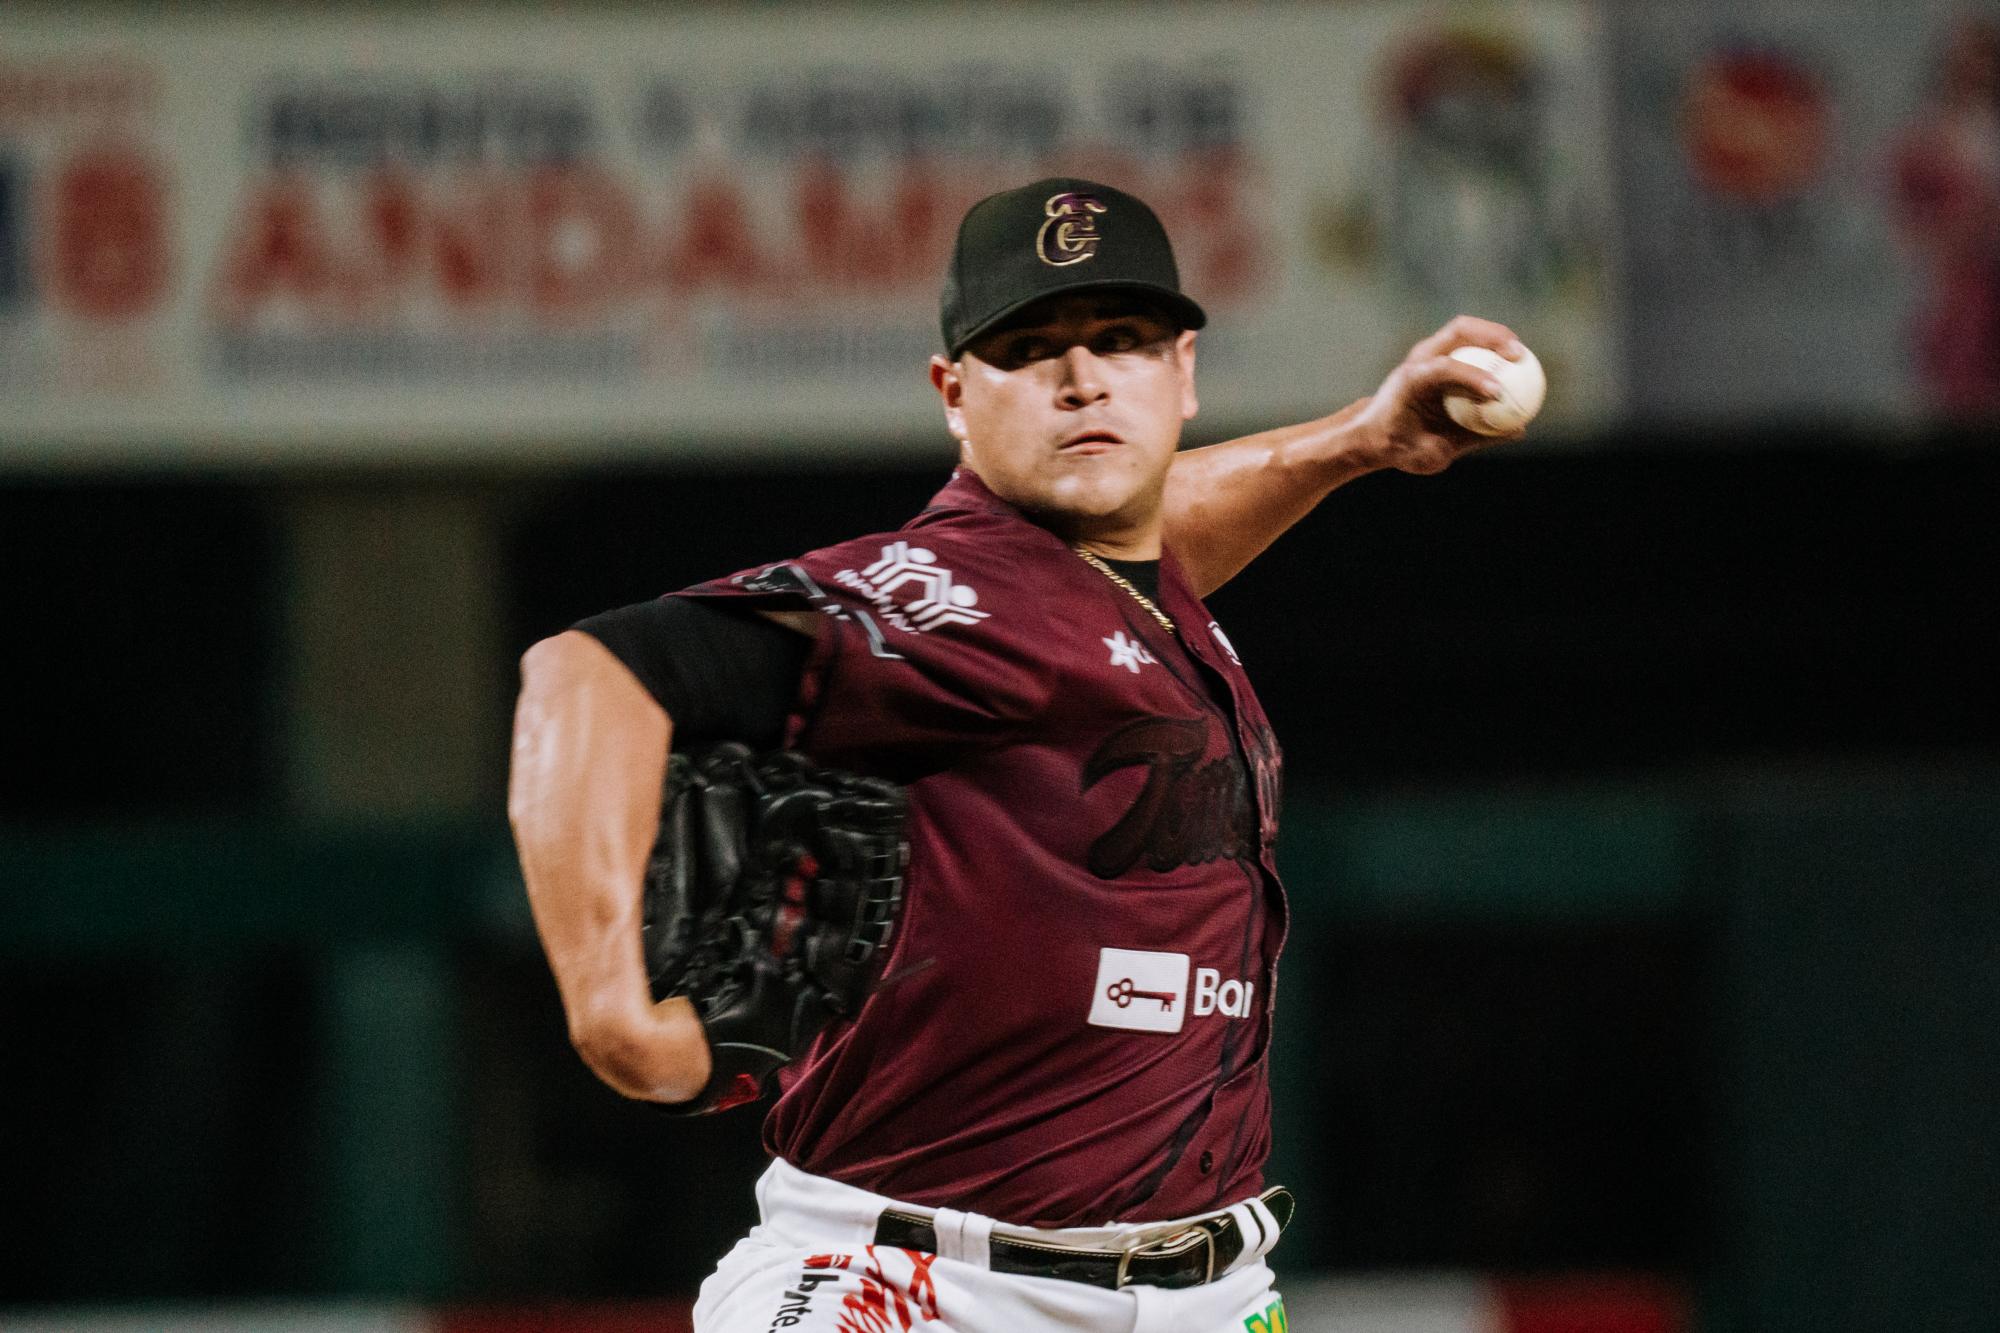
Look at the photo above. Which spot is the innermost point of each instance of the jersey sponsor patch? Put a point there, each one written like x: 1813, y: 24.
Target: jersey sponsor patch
x: 913, y: 591
x: 1214, y: 995
x: 1139, y: 990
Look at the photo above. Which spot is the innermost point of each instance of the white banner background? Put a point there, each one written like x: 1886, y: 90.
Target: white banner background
x: 394, y: 237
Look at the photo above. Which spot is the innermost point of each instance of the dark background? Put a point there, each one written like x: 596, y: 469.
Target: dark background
x: 1514, y: 619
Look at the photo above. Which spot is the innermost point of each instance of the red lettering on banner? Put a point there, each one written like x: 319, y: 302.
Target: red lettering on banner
x: 572, y: 243
x: 894, y: 237
x: 716, y: 247
x: 928, y: 224
x: 583, y: 239
x: 845, y: 245
x: 470, y: 236
x: 395, y: 223
x: 282, y: 251
x: 109, y: 245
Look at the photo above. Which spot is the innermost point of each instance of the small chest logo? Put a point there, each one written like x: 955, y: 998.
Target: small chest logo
x: 1070, y: 235
x: 912, y: 591
x: 1129, y: 653
x: 1139, y: 990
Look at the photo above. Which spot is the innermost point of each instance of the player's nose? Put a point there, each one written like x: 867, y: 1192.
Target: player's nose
x: 1080, y: 377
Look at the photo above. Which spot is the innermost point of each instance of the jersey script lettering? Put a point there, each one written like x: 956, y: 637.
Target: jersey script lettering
x: 1186, y: 814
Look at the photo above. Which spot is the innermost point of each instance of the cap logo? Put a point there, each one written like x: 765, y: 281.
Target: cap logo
x: 1070, y: 235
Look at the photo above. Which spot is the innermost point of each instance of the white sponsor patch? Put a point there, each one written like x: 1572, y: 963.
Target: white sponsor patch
x: 1140, y: 991
x: 913, y: 591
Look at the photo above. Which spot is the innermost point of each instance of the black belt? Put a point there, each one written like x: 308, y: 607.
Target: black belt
x: 1200, y: 1252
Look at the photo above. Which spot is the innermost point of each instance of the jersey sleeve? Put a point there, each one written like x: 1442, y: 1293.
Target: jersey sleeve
x: 925, y: 652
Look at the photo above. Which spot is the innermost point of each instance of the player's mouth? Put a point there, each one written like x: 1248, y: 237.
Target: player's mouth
x: 1091, y: 442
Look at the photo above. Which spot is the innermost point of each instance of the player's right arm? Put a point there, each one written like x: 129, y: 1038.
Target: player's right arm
x: 1226, y: 503
x: 583, y: 797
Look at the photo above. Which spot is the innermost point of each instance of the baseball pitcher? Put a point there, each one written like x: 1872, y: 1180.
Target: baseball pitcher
x: 957, y: 841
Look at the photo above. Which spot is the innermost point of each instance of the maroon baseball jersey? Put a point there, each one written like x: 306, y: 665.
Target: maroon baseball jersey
x: 1073, y: 1025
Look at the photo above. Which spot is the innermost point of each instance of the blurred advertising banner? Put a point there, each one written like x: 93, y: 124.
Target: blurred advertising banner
x: 1811, y: 198
x: 235, y: 238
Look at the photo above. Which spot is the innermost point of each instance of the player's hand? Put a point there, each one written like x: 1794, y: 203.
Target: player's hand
x: 1406, y: 421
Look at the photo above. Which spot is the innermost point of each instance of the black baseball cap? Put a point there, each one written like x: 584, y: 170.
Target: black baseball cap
x: 1056, y: 235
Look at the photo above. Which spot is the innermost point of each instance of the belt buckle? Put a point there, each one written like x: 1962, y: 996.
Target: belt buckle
x: 1172, y: 1247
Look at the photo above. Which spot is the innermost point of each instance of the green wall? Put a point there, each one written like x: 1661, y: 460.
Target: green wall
x: 1852, y: 1044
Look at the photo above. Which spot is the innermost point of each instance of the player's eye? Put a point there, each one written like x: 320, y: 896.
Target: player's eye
x: 1118, y: 338
x: 1032, y: 347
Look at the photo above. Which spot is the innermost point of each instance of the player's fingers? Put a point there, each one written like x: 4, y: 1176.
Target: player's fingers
x: 1429, y: 380
x: 1469, y: 331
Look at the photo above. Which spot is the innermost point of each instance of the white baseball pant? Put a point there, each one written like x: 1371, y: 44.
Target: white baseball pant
x: 811, y: 1266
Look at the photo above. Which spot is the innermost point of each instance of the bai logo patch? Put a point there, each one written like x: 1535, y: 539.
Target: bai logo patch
x: 1139, y: 990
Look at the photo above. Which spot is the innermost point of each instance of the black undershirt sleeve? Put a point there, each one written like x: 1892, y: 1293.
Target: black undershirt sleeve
x: 720, y: 672
x: 723, y: 672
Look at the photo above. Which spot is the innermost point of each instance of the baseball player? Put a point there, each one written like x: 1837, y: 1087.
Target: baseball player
x: 1052, y: 1110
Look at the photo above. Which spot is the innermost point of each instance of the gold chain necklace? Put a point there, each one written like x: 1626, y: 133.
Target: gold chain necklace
x: 1091, y: 558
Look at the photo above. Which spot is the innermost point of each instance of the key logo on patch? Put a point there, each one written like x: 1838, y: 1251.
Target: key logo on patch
x: 1139, y: 991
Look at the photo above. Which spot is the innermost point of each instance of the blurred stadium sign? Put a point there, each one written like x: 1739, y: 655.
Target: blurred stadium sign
x: 1812, y: 210
x: 400, y: 237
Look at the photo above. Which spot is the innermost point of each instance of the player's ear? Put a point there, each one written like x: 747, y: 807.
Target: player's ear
x: 1184, y: 353
x: 951, y: 388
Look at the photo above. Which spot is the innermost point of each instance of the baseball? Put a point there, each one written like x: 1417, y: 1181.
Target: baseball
x: 1522, y: 386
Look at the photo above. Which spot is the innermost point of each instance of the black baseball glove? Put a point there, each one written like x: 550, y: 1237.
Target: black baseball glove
x: 770, y: 900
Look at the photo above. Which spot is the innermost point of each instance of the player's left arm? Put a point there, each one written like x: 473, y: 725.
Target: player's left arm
x: 1227, y: 502
x: 583, y: 798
